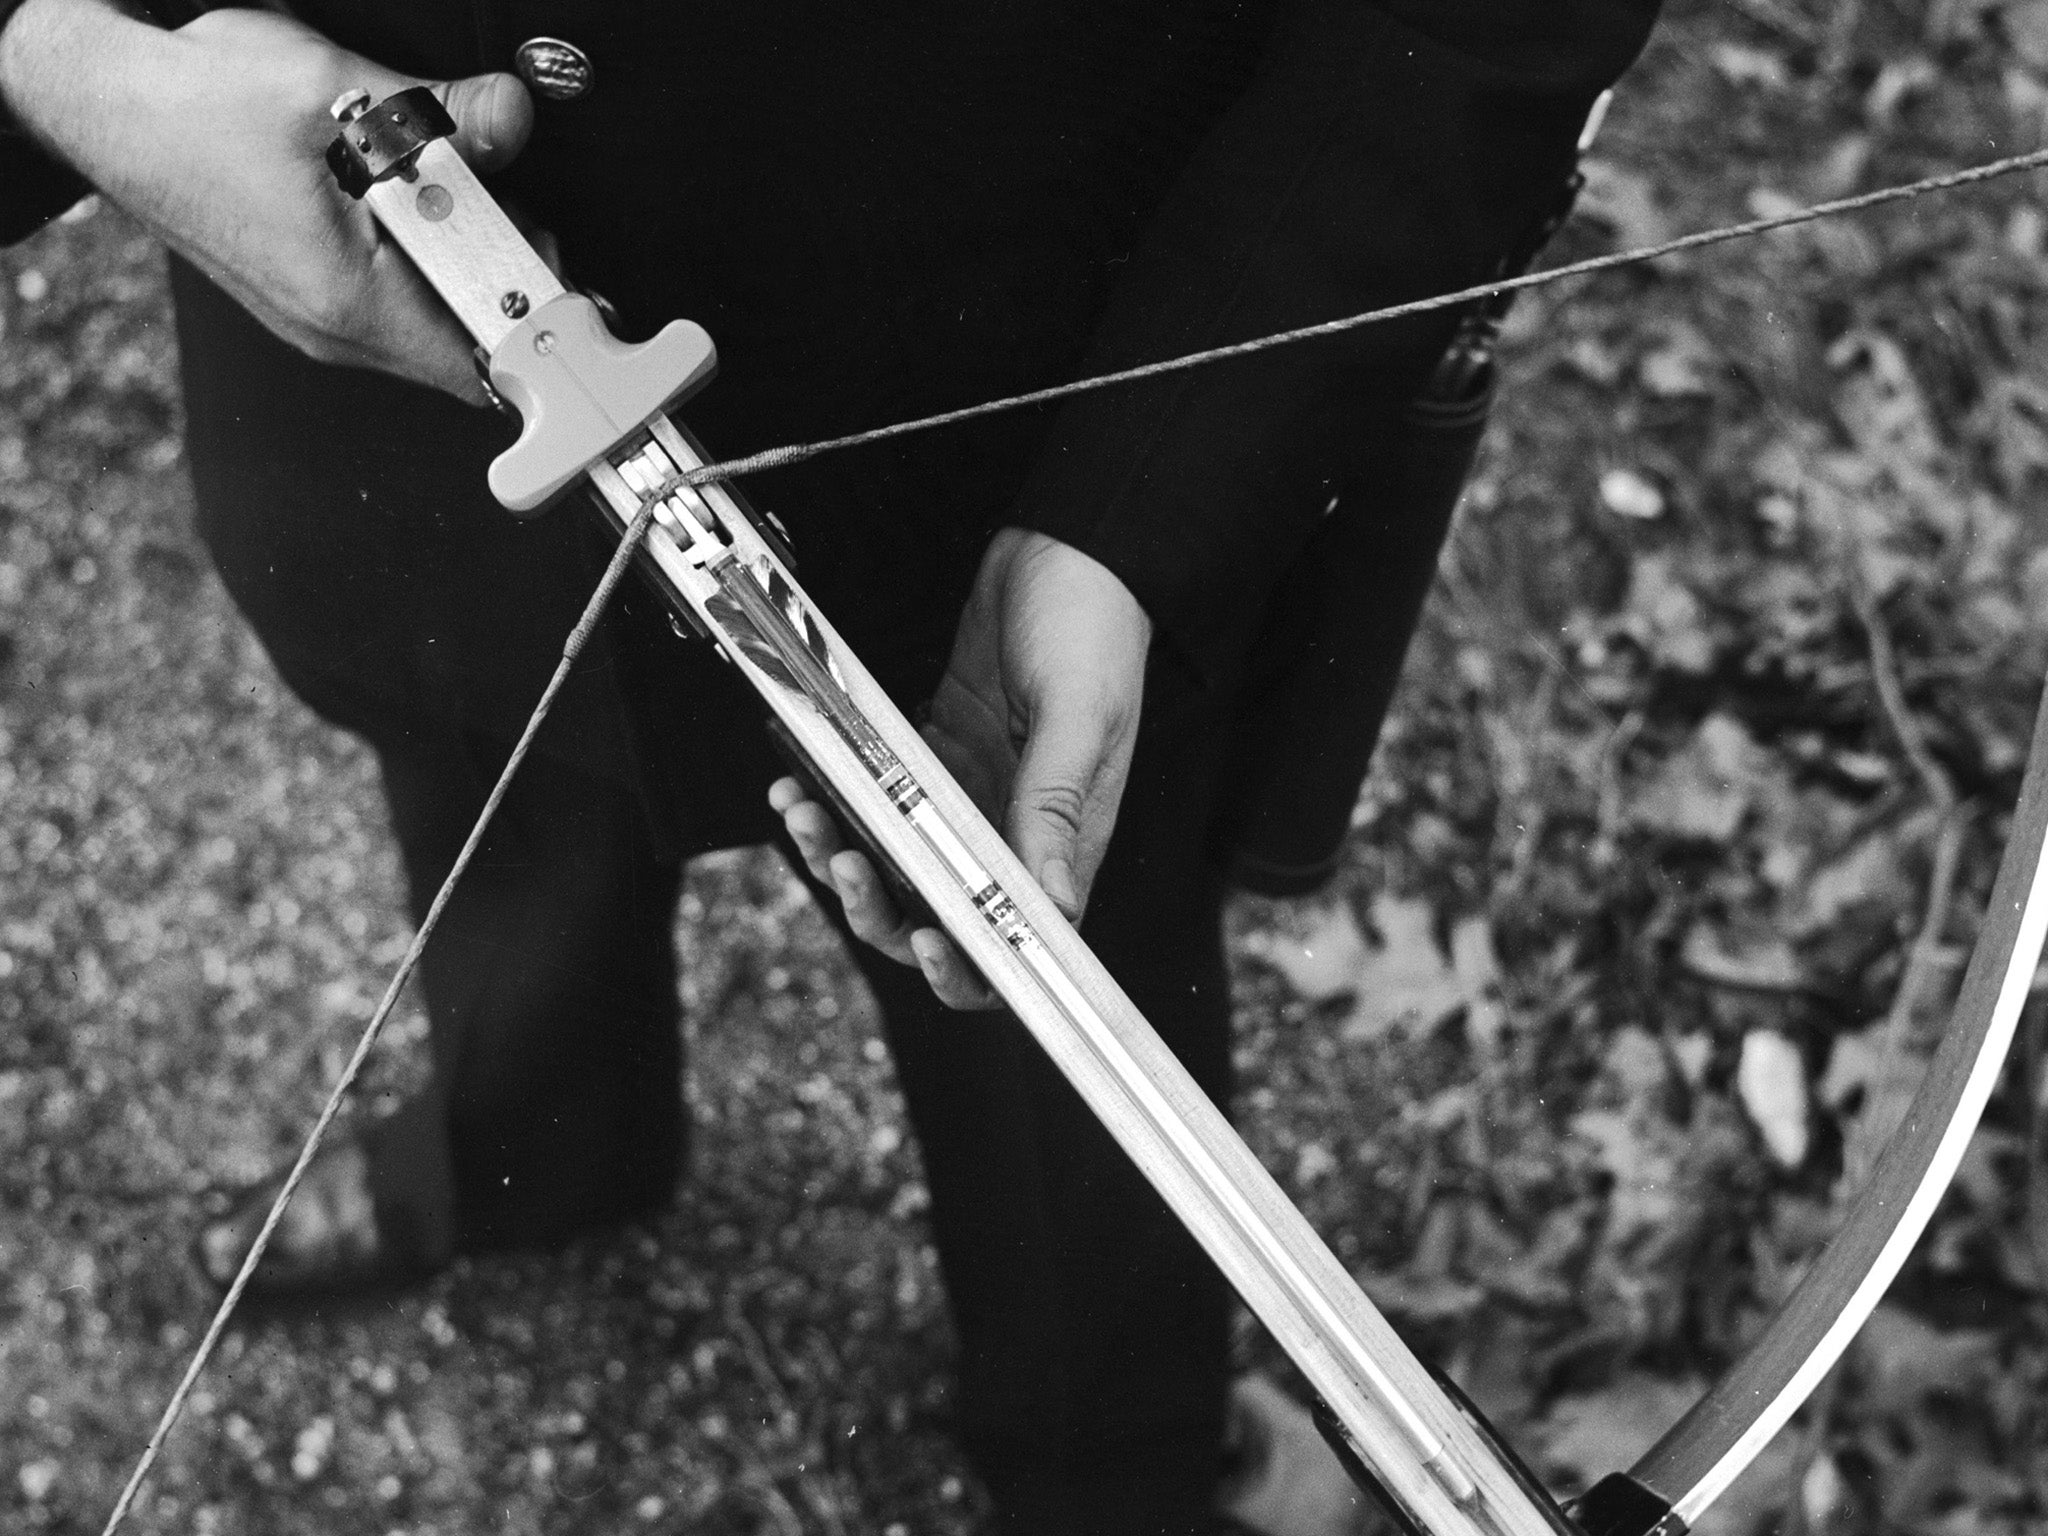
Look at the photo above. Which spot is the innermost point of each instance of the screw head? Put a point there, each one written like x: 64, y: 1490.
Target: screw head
x: 514, y: 304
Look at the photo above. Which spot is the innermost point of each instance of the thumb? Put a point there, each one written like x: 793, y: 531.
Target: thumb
x: 1064, y: 799
x: 493, y: 117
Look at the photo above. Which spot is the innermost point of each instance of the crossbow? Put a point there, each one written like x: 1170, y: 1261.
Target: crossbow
x: 595, y: 414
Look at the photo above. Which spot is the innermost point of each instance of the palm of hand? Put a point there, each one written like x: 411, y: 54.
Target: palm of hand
x: 1037, y: 713
x: 1037, y: 717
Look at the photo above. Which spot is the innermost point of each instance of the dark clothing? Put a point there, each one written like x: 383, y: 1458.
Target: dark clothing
x: 1092, y: 1331
x: 882, y: 211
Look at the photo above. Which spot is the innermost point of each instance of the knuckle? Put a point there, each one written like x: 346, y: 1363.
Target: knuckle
x: 804, y: 829
x: 1062, y: 803
x: 865, y: 922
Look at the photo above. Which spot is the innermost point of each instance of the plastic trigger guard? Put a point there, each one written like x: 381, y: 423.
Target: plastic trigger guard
x: 580, y: 392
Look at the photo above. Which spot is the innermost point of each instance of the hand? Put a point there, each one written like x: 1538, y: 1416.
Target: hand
x: 214, y: 136
x: 1036, y: 717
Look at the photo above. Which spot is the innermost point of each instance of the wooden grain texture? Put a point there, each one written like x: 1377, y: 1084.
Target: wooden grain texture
x: 1384, y: 1397
x: 1708, y: 1448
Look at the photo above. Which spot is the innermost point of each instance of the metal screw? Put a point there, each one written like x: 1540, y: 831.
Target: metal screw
x: 350, y: 105
x: 544, y: 342
x: 434, y: 202
x: 514, y: 304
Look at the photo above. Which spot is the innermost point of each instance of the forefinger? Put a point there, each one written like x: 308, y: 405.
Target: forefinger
x: 810, y: 826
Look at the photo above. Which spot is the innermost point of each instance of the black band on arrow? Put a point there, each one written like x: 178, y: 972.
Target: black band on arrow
x: 1618, y: 1505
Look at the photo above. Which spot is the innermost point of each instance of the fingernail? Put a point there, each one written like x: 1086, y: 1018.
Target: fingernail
x: 928, y: 948
x: 1057, y: 880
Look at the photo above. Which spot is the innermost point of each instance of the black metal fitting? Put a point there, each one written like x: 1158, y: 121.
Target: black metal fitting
x: 1618, y: 1505
x: 386, y: 139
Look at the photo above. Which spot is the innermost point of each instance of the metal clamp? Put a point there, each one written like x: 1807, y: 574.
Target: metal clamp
x: 580, y: 391
x: 384, y: 140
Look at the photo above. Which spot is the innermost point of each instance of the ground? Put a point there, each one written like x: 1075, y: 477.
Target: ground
x: 1712, y: 728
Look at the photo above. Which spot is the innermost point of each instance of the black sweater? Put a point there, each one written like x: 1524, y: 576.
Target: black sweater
x: 894, y: 207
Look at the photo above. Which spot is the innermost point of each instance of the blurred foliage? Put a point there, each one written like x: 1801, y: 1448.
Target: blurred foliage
x: 1575, y: 1066
x: 1644, y: 758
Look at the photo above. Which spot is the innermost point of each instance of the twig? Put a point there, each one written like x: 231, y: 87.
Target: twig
x: 1725, y: 971
x: 845, y: 1486
x: 1839, y: 39
x: 1779, y: 18
x: 1862, y: 1146
x: 763, y: 1488
x: 1606, y: 835
x: 1924, y: 955
x: 1515, y: 778
x: 756, y: 1351
x: 1884, y: 670
x: 1484, y: 618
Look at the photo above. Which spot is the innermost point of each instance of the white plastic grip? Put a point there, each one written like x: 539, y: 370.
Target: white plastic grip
x: 580, y: 392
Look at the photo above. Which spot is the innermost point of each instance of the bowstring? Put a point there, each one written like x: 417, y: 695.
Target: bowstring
x: 796, y: 453
x: 792, y: 453
x: 571, y: 649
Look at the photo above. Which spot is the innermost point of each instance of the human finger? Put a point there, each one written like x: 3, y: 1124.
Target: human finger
x: 810, y: 826
x: 493, y: 118
x: 950, y: 974
x: 871, y: 912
